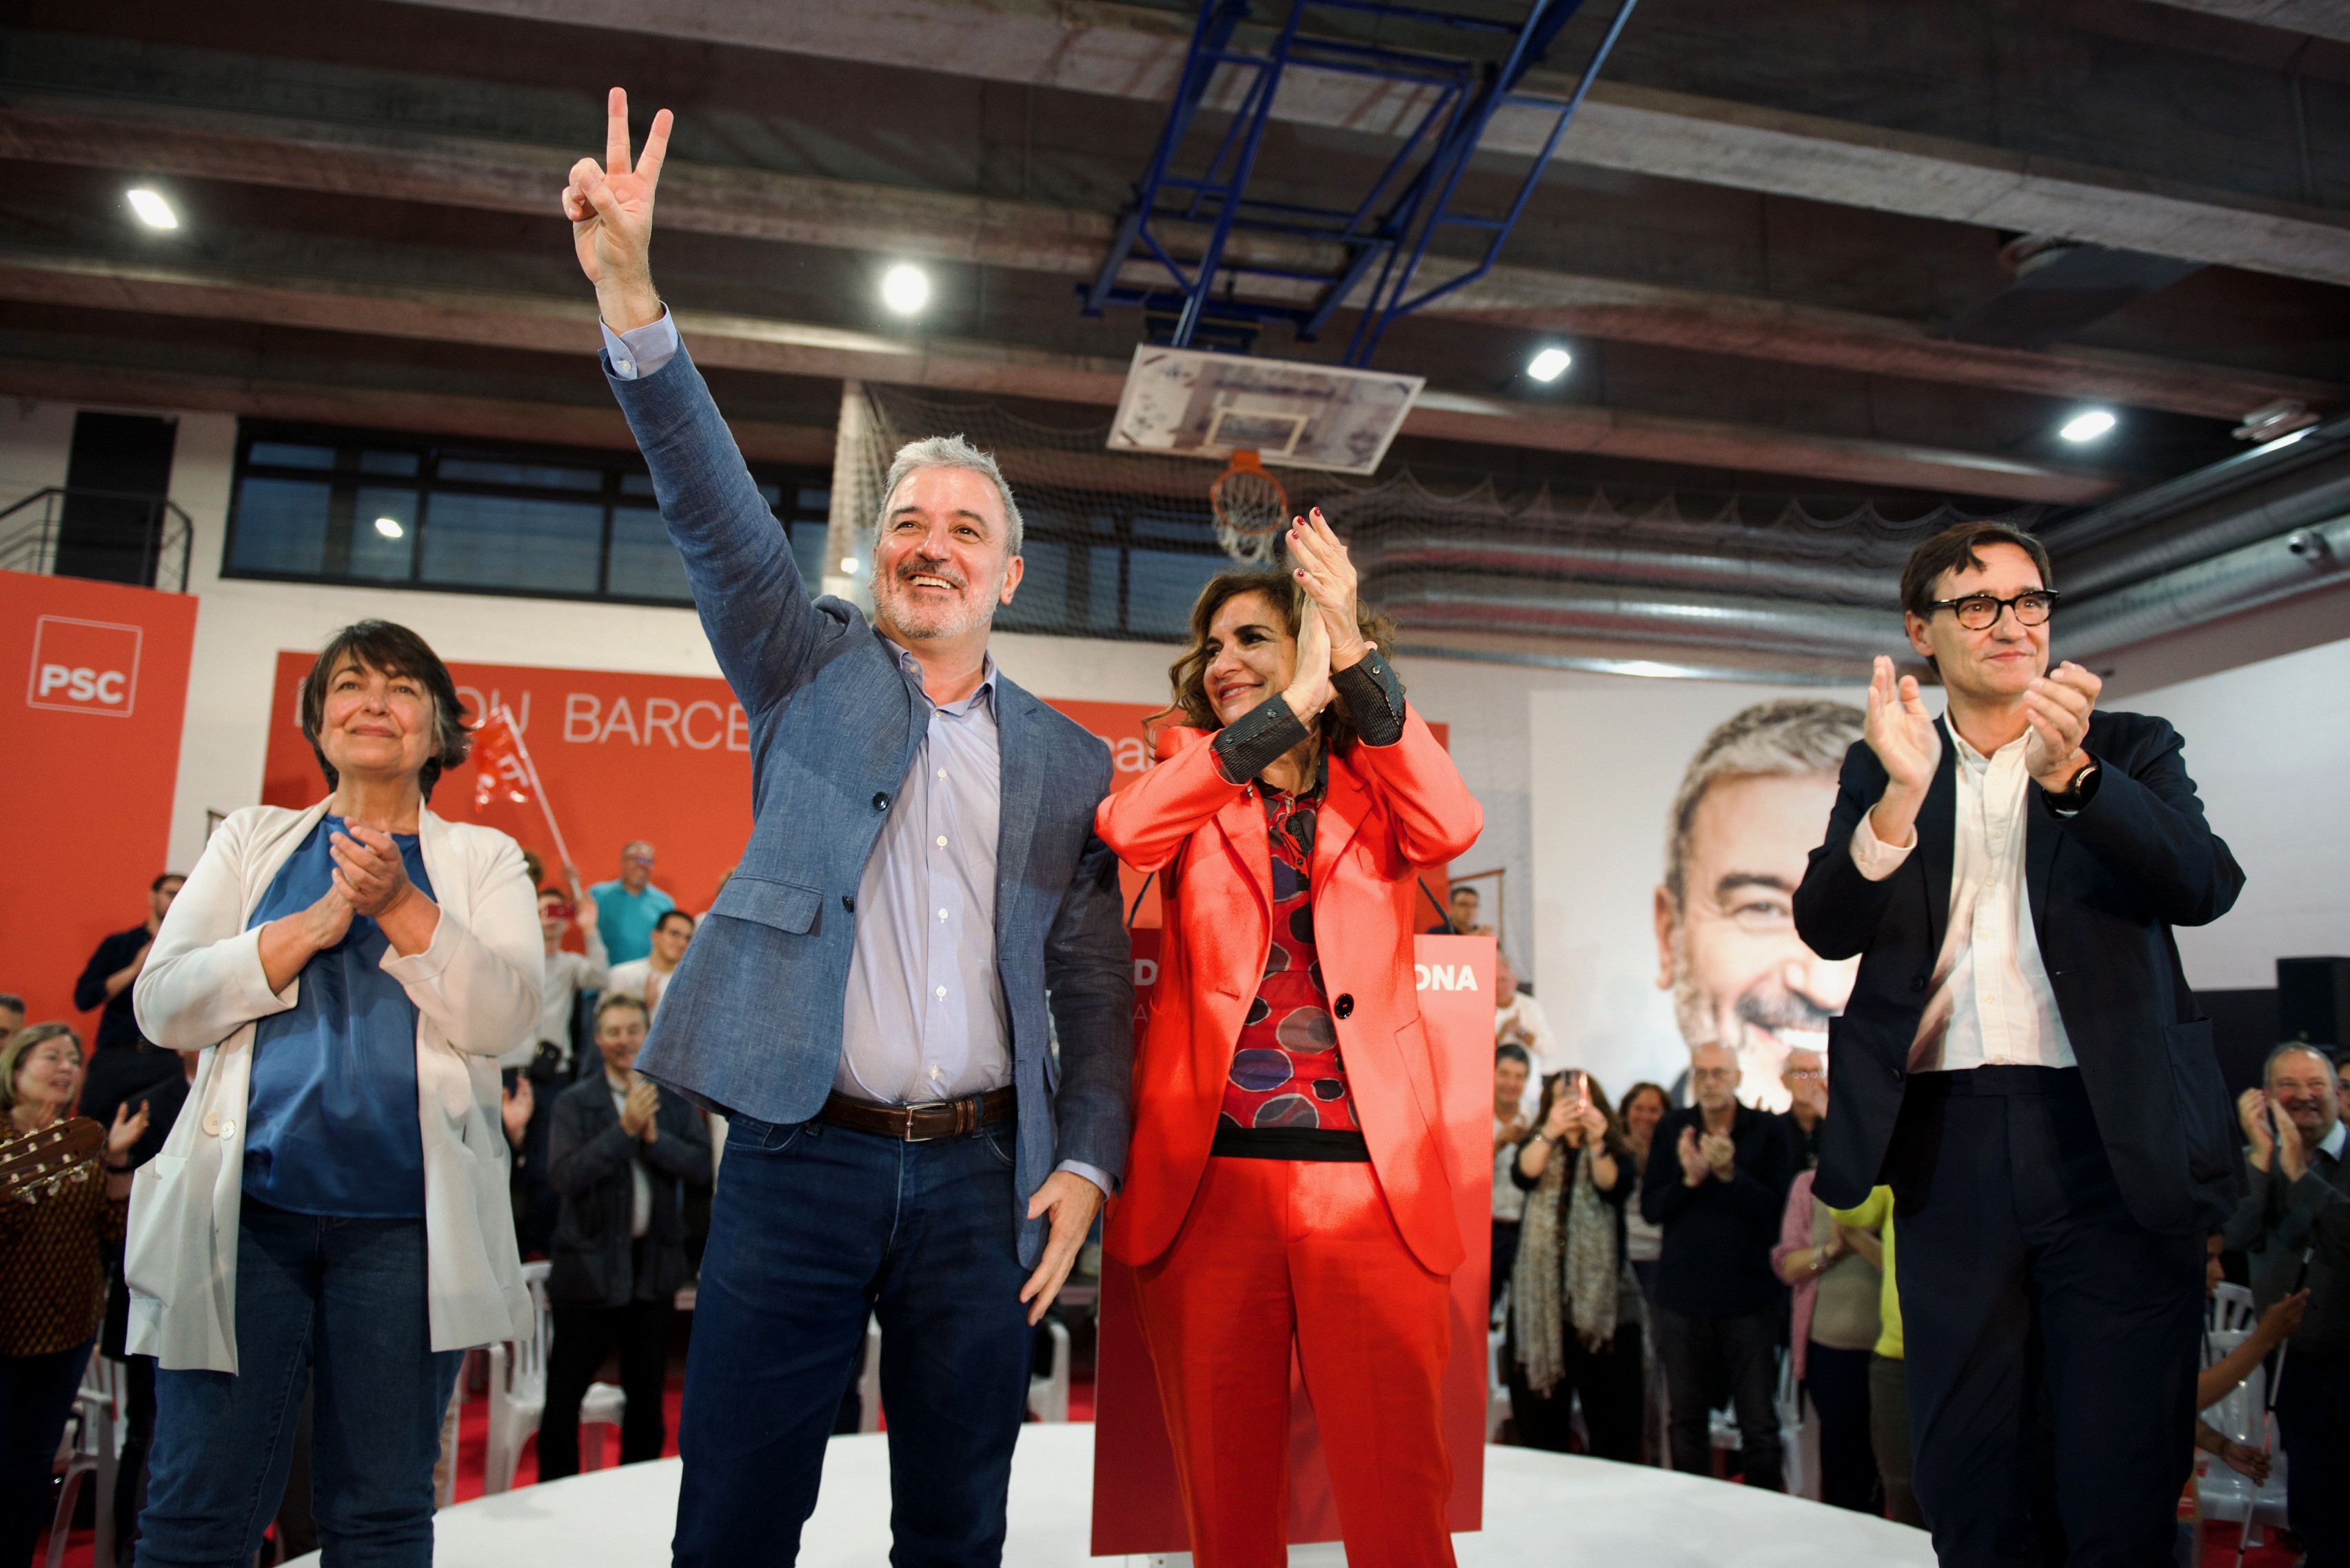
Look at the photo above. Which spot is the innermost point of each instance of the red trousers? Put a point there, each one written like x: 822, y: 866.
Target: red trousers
x: 1279, y: 1250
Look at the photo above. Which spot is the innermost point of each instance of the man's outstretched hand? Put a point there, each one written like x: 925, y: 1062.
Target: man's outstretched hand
x: 1072, y: 1201
x: 610, y: 206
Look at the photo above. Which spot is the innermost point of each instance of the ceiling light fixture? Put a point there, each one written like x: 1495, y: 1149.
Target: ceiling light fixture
x: 905, y: 288
x: 2087, y: 425
x: 389, y: 528
x: 1549, y: 365
x: 152, y: 210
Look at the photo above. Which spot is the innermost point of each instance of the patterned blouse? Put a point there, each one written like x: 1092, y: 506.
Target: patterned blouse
x: 53, y: 1266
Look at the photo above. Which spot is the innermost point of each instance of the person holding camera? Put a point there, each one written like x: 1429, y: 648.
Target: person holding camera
x: 622, y: 1155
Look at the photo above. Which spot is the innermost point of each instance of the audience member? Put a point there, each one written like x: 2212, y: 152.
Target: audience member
x: 544, y: 1062
x: 1719, y: 1199
x: 629, y: 904
x: 1889, y: 1383
x: 357, y: 967
x: 2217, y: 1381
x: 1519, y: 1020
x: 2294, y: 1227
x: 1460, y: 915
x: 622, y: 1153
x: 161, y: 1106
x: 1574, y: 1308
x: 1513, y: 1120
x: 647, y: 979
x: 52, y: 1277
x: 1644, y: 1106
x: 1833, y: 1326
x: 122, y: 1061
x: 1805, y: 1079
x: 12, y: 1014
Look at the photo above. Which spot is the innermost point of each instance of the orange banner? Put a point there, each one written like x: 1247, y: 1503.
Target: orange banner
x: 96, y: 677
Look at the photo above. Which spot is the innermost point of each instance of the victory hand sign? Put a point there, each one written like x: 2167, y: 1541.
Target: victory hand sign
x: 610, y: 206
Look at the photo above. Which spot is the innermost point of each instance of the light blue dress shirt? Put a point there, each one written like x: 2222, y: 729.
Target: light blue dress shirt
x: 924, y: 1017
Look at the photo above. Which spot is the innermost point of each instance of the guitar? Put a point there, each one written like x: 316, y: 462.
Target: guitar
x: 39, y: 1165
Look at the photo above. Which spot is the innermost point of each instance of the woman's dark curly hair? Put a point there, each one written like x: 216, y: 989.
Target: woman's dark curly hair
x: 379, y: 645
x: 1189, y: 674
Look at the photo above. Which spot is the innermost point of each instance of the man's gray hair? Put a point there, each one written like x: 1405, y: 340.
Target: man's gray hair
x: 1785, y: 739
x: 949, y: 452
x: 2292, y: 1047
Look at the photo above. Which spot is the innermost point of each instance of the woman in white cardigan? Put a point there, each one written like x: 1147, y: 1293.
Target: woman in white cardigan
x: 330, y: 1209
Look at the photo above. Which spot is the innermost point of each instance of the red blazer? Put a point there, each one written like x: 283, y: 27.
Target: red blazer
x: 1389, y: 811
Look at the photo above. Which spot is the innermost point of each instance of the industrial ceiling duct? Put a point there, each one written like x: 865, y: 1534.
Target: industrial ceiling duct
x: 2282, y: 567
x: 1394, y: 556
x: 1700, y: 619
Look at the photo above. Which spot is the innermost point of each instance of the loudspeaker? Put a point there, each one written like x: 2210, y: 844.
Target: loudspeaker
x: 2312, y: 999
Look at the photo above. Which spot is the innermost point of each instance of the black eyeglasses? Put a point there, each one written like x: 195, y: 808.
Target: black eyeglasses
x: 1979, y: 612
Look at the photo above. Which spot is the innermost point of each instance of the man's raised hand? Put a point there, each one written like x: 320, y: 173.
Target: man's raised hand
x: 610, y: 206
x: 2057, y: 707
x: 1907, y: 742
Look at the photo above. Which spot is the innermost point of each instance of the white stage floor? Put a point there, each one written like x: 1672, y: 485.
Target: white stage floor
x: 1540, y: 1509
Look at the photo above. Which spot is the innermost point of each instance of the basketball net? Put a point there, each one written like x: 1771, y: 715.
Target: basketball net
x: 1250, y: 506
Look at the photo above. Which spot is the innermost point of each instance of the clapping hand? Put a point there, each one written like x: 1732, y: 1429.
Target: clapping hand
x: 2057, y: 707
x: 1694, y: 1169
x: 1309, y: 686
x: 1327, y: 575
x: 637, y: 1111
x: 514, y: 1108
x: 1564, y: 1124
x: 126, y: 1132
x: 1721, y: 1155
x: 369, y: 872
x: 1907, y: 742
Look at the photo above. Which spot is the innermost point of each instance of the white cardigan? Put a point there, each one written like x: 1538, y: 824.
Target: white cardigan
x: 476, y: 989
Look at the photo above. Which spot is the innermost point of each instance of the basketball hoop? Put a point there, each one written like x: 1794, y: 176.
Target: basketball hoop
x: 1250, y: 506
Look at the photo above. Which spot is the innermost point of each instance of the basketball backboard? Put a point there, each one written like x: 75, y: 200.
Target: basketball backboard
x: 1185, y: 403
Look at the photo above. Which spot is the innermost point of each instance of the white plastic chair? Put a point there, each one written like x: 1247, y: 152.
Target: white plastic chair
x: 87, y: 1450
x: 1048, y: 1396
x: 518, y: 1395
x: 2242, y: 1414
x: 2231, y: 1311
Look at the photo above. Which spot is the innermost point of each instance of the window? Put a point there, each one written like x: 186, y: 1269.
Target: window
x: 321, y: 503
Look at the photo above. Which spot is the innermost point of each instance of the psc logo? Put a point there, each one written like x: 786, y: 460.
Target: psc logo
x: 84, y: 666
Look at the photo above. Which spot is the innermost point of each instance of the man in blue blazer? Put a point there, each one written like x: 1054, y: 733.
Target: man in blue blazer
x: 867, y: 1001
x: 2023, y: 1061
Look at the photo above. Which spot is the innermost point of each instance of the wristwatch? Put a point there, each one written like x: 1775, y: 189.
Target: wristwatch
x: 2076, y: 795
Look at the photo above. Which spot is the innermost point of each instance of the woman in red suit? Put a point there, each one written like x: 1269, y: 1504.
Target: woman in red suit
x: 1285, y: 1180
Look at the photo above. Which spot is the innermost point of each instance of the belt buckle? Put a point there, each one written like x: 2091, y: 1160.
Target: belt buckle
x: 914, y: 1110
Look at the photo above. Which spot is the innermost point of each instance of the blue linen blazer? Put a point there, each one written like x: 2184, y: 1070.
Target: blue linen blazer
x: 751, y: 1022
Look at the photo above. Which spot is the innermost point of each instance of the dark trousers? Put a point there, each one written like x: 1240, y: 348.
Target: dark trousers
x: 1701, y: 1353
x: 1837, y: 1381
x: 1506, y: 1258
x: 1612, y: 1385
x: 37, y: 1394
x: 813, y: 1227
x: 334, y: 1305
x: 584, y: 1335
x: 1889, y: 1436
x: 2312, y: 1407
x: 2019, y: 1263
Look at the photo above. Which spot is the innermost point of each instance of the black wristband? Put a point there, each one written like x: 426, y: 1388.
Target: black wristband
x: 1256, y: 740
x: 1374, y: 699
x: 2077, y: 794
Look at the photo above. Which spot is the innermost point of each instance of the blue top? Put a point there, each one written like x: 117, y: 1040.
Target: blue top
x: 626, y: 921
x: 331, y: 1124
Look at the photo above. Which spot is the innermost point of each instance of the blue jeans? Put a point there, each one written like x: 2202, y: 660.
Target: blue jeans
x: 342, y: 1302
x: 812, y: 1227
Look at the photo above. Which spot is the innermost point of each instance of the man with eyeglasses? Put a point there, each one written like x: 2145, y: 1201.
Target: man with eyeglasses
x: 629, y: 908
x: 2022, y: 1062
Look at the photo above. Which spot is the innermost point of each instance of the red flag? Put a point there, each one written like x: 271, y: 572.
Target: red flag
x: 498, y: 754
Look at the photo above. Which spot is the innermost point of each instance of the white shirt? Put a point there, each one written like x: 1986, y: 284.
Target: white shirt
x: 637, y: 978
x: 1527, y: 1013
x: 640, y: 1191
x: 1992, y: 1003
x: 565, y: 976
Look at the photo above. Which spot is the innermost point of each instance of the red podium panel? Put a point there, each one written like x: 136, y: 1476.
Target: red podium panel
x: 96, y: 677
x: 1136, y: 1508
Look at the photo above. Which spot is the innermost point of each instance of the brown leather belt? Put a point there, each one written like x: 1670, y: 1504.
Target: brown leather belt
x: 922, y: 1123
